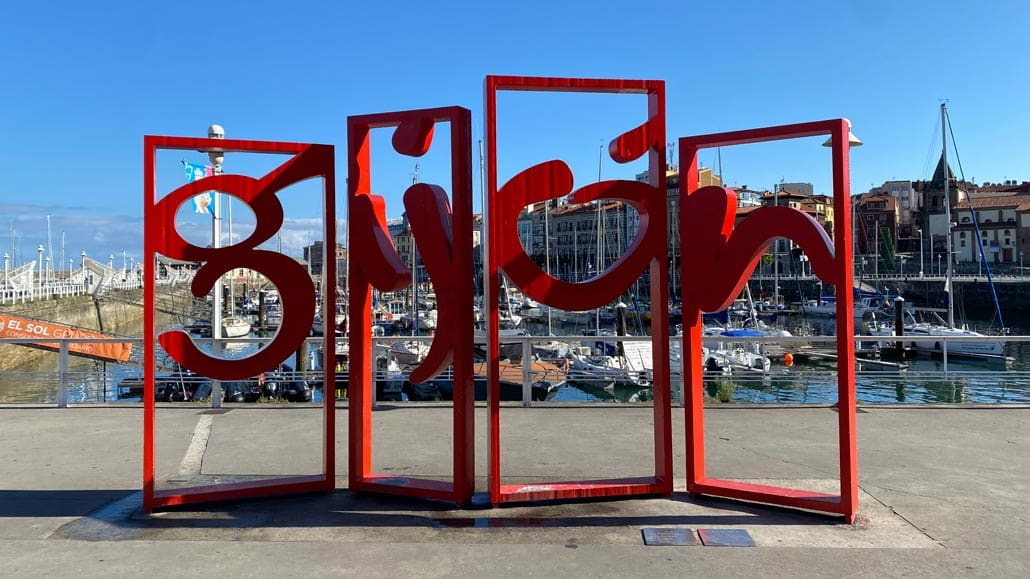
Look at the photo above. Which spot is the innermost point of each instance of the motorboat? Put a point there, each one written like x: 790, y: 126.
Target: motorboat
x: 827, y: 307
x: 737, y: 358
x: 587, y: 367
x: 550, y: 349
x: 737, y: 348
x: 753, y: 329
x: 407, y: 352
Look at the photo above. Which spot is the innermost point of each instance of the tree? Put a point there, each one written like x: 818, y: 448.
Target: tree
x: 887, y: 256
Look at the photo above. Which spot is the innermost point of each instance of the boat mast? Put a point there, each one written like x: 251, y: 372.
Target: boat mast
x: 976, y: 233
x: 547, y: 255
x: 776, y: 253
x: 232, y: 286
x: 600, y: 235
x: 947, y: 215
x: 216, y: 158
x: 414, y: 269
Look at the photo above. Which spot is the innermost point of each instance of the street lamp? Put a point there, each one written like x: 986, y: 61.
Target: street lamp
x: 940, y: 268
x: 1020, y: 263
x: 804, y: 260
x: 216, y: 158
x: 920, y: 232
x: 852, y: 139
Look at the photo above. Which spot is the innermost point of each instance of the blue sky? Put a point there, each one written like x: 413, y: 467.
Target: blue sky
x: 84, y: 81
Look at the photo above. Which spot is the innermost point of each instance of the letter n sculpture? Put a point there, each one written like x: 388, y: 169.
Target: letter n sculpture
x: 646, y: 253
x: 444, y: 239
x: 719, y: 258
x: 295, y: 286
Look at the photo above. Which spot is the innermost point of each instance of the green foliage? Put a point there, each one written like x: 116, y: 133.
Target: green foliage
x: 887, y: 255
x: 721, y: 389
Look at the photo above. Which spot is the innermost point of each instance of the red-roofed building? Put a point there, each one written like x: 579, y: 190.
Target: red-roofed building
x: 1002, y: 223
x: 876, y: 220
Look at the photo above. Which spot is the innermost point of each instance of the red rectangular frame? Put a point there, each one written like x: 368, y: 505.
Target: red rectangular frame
x: 661, y: 481
x: 324, y: 482
x: 361, y: 476
x: 698, y: 482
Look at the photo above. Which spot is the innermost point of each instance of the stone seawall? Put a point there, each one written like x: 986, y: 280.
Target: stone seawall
x: 973, y: 294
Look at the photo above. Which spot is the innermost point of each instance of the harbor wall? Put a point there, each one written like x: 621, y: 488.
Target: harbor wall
x: 973, y: 293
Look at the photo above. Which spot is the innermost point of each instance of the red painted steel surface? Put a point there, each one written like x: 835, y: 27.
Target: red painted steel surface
x: 444, y: 238
x: 710, y: 245
x: 295, y: 289
x: 727, y: 256
x: 647, y: 252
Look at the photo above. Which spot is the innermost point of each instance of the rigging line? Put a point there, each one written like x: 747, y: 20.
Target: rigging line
x: 976, y: 223
x: 930, y: 162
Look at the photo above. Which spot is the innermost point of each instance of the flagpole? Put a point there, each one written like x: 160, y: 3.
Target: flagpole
x: 216, y: 132
x: 216, y: 158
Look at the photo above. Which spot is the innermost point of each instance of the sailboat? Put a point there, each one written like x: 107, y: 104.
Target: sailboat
x: 935, y: 336
x: 233, y: 326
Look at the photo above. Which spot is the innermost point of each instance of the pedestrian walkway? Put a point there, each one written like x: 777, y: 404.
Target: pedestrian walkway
x: 945, y: 492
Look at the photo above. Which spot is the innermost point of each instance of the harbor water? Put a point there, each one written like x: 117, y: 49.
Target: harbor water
x: 922, y: 380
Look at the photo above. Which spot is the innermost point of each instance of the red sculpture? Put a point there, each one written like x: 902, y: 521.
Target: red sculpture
x: 710, y: 245
x: 727, y: 256
x: 444, y: 240
x: 294, y: 285
x: 552, y: 180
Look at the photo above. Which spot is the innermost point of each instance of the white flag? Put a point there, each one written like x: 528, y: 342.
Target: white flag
x: 202, y: 202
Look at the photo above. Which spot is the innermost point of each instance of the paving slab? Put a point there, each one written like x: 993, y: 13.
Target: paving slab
x: 944, y: 492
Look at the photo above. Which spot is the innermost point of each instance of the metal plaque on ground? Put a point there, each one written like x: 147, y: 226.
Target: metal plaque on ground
x: 665, y: 537
x: 726, y: 538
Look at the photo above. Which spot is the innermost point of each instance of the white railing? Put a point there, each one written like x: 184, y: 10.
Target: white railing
x: 51, y: 291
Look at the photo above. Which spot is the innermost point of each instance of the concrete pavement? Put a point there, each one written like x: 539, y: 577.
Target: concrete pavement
x: 945, y: 492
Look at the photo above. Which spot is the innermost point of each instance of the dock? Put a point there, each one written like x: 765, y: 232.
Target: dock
x: 861, y: 357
